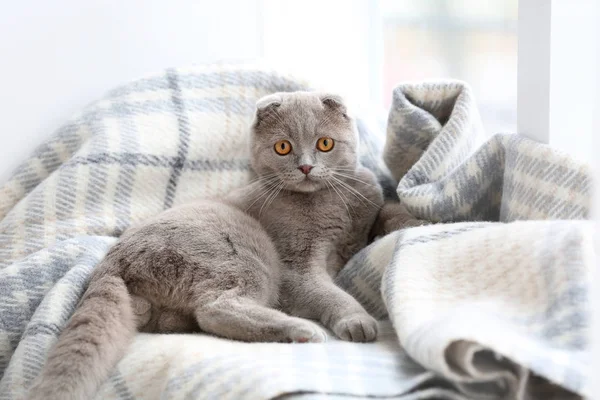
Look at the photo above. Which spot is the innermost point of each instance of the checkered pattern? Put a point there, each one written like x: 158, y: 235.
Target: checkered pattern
x: 455, y: 294
x: 484, y: 304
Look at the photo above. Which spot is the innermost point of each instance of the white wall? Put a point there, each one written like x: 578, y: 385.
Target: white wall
x: 59, y: 55
x: 333, y: 43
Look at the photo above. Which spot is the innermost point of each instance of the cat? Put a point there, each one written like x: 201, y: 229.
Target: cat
x: 254, y: 265
x: 318, y: 203
x: 394, y: 216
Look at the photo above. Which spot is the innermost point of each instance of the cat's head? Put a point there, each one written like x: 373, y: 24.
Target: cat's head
x: 304, y: 140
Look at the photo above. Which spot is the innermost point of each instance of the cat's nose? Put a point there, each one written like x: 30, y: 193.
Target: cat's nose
x: 305, y: 169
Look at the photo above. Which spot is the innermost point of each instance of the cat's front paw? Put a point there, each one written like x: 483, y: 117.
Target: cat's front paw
x: 306, y: 332
x: 356, y: 328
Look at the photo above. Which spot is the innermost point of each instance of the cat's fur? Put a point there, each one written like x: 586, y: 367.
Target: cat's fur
x: 394, y: 216
x: 225, y: 266
x: 319, y: 220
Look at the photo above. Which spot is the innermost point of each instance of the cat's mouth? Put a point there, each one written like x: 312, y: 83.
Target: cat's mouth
x: 307, y: 183
x: 312, y: 178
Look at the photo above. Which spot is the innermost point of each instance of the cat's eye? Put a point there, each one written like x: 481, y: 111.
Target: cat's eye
x: 325, y: 144
x: 283, y: 147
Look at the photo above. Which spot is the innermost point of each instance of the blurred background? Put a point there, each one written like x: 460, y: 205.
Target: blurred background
x: 59, y: 56
x: 471, y: 40
x: 365, y: 48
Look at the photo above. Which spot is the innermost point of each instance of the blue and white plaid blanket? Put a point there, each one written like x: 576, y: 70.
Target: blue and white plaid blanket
x: 484, y: 306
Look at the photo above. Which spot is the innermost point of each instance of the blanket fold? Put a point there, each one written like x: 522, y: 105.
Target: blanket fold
x: 449, y: 172
x: 491, y: 304
x: 463, y: 297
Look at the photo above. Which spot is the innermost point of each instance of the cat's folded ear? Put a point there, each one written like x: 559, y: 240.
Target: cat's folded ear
x: 266, y: 105
x: 335, y: 103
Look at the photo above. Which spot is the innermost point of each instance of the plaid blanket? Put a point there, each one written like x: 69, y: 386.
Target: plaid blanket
x: 468, y: 309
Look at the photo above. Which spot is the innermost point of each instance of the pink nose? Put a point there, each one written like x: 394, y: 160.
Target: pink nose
x: 305, y: 169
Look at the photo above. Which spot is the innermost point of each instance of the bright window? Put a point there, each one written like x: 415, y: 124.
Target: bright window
x: 471, y: 40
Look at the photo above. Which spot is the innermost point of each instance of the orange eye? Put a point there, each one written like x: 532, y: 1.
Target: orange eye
x: 283, y: 147
x: 325, y: 144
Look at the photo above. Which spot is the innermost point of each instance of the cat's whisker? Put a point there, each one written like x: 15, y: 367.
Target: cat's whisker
x: 349, y: 202
x: 260, y: 190
x: 359, y: 199
x: 265, y: 195
x: 266, y: 191
x: 261, y: 184
x: 354, y: 192
x: 276, y: 194
x: 340, y: 196
x: 266, y: 179
x: 273, y: 193
x: 353, y: 178
x: 327, y: 185
x: 263, y: 178
x: 353, y: 211
x: 345, y: 170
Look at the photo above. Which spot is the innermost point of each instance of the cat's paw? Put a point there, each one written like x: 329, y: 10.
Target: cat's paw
x: 356, y: 328
x: 306, y: 332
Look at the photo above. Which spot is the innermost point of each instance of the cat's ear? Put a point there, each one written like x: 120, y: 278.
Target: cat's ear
x: 335, y: 103
x: 266, y: 106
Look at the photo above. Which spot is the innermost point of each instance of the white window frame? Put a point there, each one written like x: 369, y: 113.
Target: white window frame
x: 557, y: 69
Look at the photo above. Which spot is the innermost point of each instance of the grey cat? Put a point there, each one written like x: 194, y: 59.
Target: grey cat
x: 247, y: 266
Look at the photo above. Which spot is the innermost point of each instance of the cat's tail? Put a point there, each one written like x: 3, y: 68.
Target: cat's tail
x: 94, y: 340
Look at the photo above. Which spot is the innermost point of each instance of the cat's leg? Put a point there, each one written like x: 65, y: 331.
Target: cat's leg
x: 152, y: 319
x: 392, y: 217
x: 315, y: 296
x: 142, y: 310
x: 172, y: 321
x: 245, y: 319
